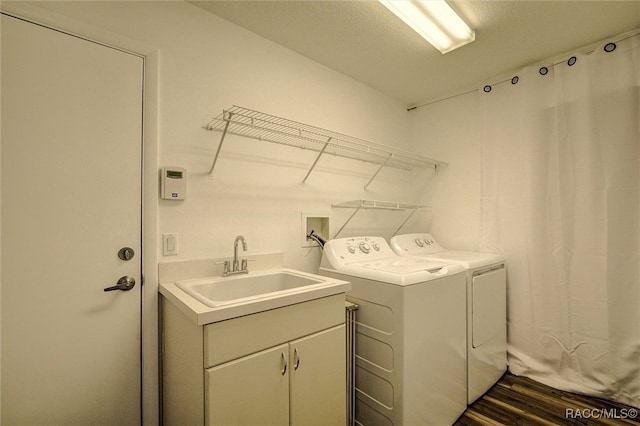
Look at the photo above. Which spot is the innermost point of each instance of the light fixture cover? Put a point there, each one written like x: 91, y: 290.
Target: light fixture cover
x: 434, y: 20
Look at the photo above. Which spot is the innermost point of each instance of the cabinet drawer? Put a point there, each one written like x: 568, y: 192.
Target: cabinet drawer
x: 237, y: 337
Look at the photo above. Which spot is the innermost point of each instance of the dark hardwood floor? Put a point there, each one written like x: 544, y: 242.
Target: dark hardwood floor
x: 522, y: 401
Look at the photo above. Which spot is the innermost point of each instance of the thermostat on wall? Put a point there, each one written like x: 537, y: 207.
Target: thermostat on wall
x: 173, y: 184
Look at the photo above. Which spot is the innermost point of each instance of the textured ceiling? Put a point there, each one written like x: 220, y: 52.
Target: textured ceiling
x: 365, y: 41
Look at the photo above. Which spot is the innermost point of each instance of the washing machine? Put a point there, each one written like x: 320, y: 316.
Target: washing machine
x: 486, y: 306
x: 410, y: 332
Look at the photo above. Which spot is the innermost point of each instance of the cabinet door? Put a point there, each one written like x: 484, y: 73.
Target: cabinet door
x: 253, y: 390
x: 318, y: 378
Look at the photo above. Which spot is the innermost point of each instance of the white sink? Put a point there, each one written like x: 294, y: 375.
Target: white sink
x: 221, y: 291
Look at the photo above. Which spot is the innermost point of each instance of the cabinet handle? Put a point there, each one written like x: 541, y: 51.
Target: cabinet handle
x: 296, y: 355
x: 284, y: 364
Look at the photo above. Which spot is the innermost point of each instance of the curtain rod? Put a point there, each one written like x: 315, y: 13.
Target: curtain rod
x: 443, y: 99
x: 515, y: 79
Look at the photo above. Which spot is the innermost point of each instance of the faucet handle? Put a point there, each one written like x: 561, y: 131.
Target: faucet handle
x: 243, y: 266
x: 226, y: 267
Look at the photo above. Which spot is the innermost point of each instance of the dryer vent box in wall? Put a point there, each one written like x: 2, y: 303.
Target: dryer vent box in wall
x: 173, y: 183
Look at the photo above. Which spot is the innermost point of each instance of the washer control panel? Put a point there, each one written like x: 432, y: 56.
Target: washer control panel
x: 416, y: 244
x: 423, y: 241
x: 361, y: 248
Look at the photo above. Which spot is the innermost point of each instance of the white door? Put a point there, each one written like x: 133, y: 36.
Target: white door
x: 71, y: 199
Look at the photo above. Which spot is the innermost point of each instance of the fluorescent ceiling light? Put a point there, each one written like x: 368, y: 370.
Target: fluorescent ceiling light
x: 434, y: 20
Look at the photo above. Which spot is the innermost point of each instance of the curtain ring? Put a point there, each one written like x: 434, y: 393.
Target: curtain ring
x: 486, y: 88
x: 610, y: 47
x: 572, y: 61
x: 515, y: 80
x: 543, y: 70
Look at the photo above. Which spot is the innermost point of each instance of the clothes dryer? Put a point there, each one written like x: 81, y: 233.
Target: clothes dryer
x: 410, y: 332
x: 486, y: 306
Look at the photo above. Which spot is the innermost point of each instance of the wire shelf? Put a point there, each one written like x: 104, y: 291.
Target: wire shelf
x: 378, y: 205
x: 253, y: 124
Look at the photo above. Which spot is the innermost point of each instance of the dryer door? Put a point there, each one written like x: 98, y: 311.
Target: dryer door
x: 489, y: 306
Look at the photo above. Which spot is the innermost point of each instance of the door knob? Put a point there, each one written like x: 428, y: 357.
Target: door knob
x: 125, y: 283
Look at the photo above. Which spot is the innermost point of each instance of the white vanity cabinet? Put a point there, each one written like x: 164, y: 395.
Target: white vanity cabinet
x: 285, y: 366
x: 299, y: 383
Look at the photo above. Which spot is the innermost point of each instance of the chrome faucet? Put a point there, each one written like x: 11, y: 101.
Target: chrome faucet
x: 236, y: 266
x: 236, y: 261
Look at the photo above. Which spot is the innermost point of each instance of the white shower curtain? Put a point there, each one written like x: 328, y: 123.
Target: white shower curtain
x: 561, y: 199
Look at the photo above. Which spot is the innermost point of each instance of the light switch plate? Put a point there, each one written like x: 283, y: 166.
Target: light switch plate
x: 169, y: 244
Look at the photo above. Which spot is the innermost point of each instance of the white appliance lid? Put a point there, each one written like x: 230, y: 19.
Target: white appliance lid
x: 401, y: 265
x: 424, y: 246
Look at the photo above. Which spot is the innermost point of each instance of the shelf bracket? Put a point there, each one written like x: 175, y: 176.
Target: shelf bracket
x: 347, y: 222
x: 378, y: 171
x: 403, y: 223
x: 224, y: 133
x: 316, y: 160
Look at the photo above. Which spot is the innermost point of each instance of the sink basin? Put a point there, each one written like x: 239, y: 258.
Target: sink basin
x: 211, y: 299
x: 219, y: 291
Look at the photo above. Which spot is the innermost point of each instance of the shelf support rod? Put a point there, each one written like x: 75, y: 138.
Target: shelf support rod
x: 224, y: 133
x: 316, y: 160
x: 403, y: 223
x: 378, y: 171
x: 348, y: 220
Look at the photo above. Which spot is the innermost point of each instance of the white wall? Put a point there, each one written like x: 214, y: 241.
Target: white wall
x: 207, y: 64
x: 200, y: 64
x: 449, y: 130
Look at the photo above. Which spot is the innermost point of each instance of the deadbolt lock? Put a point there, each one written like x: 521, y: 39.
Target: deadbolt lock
x: 126, y: 253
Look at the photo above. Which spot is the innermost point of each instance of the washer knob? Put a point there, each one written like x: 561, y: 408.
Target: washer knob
x: 376, y: 246
x: 351, y: 249
x: 364, y: 247
x: 419, y: 242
